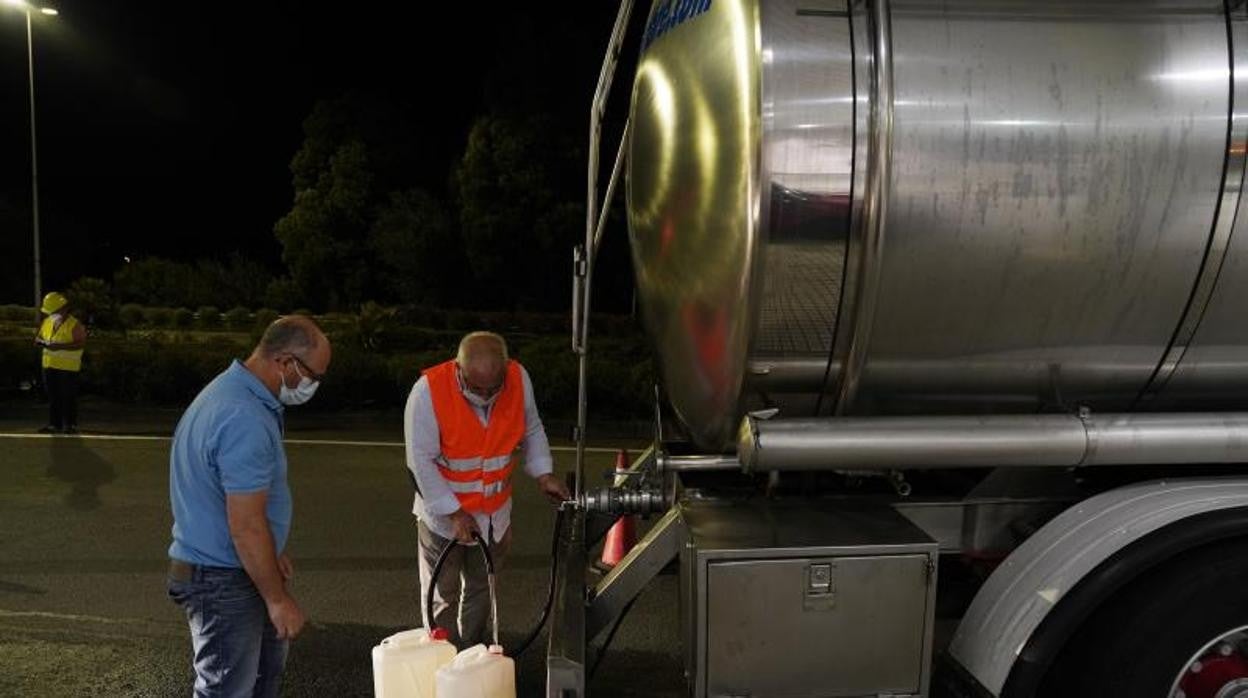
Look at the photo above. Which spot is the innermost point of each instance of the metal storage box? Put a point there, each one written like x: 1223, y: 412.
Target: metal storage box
x: 766, y: 582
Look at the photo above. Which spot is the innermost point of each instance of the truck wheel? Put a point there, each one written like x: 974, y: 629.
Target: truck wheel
x: 1179, y: 631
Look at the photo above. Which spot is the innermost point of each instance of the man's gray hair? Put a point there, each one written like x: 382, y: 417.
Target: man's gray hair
x: 472, y: 346
x: 290, y: 334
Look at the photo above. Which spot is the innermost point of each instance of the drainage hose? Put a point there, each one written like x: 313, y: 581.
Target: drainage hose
x: 550, y: 587
x: 489, y: 570
x: 606, y: 643
x: 489, y: 566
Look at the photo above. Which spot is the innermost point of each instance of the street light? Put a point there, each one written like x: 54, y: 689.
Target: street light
x: 27, y: 9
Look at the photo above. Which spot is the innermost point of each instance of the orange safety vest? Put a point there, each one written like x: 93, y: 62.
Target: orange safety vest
x: 476, y: 459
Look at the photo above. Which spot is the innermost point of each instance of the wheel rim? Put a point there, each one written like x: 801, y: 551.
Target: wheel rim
x: 1218, y: 670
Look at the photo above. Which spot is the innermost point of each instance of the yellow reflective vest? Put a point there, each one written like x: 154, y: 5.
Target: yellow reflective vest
x: 59, y: 329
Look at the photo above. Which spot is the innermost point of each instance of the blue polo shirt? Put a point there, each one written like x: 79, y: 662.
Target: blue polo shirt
x: 229, y: 441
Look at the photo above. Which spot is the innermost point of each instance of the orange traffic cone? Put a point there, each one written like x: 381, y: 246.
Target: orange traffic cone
x: 623, y: 534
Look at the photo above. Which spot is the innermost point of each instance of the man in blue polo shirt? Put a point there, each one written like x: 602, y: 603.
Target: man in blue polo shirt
x: 232, y: 509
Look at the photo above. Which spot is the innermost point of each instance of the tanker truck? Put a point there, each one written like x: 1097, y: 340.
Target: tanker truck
x: 950, y: 305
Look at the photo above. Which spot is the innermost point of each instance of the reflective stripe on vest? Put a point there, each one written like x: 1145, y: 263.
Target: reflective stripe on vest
x: 477, y: 460
x: 60, y: 359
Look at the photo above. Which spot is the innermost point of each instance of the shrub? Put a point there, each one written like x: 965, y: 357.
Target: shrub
x: 19, y: 361
x: 360, y: 378
x: 337, y: 322
x: 209, y: 317
x: 16, y: 313
x: 153, y: 371
x: 462, y: 320
x: 132, y: 316
x: 159, y: 317
x: 265, y: 317
x: 169, y: 367
x: 92, y: 301
x: 620, y: 376
x: 183, y: 318
x: 371, y: 323
x: 396, y: 337
x: 238, y: 318
x: 553, y: 371
x: 414, y: 315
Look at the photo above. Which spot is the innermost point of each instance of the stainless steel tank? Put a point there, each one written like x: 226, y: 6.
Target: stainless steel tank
x: 917, y: 207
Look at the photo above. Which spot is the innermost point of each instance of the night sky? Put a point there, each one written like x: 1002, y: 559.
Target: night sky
x: 166, y: 128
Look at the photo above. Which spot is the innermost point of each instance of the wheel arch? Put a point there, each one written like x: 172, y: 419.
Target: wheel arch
x: 1036, y: 600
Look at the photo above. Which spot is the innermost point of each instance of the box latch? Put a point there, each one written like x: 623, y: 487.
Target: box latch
x: 820, y: 586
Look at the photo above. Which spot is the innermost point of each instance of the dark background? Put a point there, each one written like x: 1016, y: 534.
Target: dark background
x: 167, y: 128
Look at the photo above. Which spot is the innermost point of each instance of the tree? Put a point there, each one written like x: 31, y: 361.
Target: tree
x: 516, y: 213
x: 418, y: 254
x: 366, y: 223
x: 324, y: 237
x: 92, y: 301
x: 239, y: 282
x: 282, y: 293
x: 153, y: 281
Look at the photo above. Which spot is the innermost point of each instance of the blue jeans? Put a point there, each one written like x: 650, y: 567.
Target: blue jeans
x: 237, y: 652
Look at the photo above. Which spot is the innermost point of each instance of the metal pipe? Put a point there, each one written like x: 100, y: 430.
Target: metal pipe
x: 620, y: 155
x: 992, y: 441
x: 1145, y: 439
x: 697, y: 463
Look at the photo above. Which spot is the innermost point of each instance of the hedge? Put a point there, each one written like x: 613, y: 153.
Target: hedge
x: 165, y: 369
x: 371, y: 317
x: 158, y: 317
x: 208, y: 317
x: 238, y: 319
x: 17, y: 313
x: 132, y: 316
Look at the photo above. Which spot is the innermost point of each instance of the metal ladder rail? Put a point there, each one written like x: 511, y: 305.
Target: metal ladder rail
x: 584, y: 255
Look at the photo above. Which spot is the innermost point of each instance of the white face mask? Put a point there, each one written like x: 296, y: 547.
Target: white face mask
x: 472, y: 398
x: 300, y: 393
x: 477, y: 400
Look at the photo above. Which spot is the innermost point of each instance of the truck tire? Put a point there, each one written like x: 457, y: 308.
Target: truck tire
x: 1178, y: 626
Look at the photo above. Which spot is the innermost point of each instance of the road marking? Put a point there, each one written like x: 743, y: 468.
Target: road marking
x: 295, y: 442
x: 68, y: 616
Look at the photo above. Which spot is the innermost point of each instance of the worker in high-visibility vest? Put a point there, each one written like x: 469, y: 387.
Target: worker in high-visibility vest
x: 465, y: 423
x: 62, y: 338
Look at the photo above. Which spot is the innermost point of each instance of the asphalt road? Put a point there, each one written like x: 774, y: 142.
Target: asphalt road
x: 84, y: 529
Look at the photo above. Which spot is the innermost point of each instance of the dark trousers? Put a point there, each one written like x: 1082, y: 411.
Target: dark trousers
x: 62, y: 389
x: 461, y: 599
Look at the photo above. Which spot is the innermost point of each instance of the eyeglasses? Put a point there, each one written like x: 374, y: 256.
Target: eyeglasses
x: 318, y: 377
x: 482, y: 392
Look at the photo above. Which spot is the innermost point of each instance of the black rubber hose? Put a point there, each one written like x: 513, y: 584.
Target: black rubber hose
x: 550, y: 588
x: 489, y: 564
x: 437, y: 570
x: 602, y: 651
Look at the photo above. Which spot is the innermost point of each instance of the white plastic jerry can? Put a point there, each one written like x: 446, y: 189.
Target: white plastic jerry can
x: 478, y: 672
x: 404, y: 664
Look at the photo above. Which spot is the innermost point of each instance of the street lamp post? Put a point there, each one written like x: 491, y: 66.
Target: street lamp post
x: 27, y: 9
x: 34, y: 160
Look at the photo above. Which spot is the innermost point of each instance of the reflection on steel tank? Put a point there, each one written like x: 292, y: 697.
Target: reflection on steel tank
x: 983, y: 207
